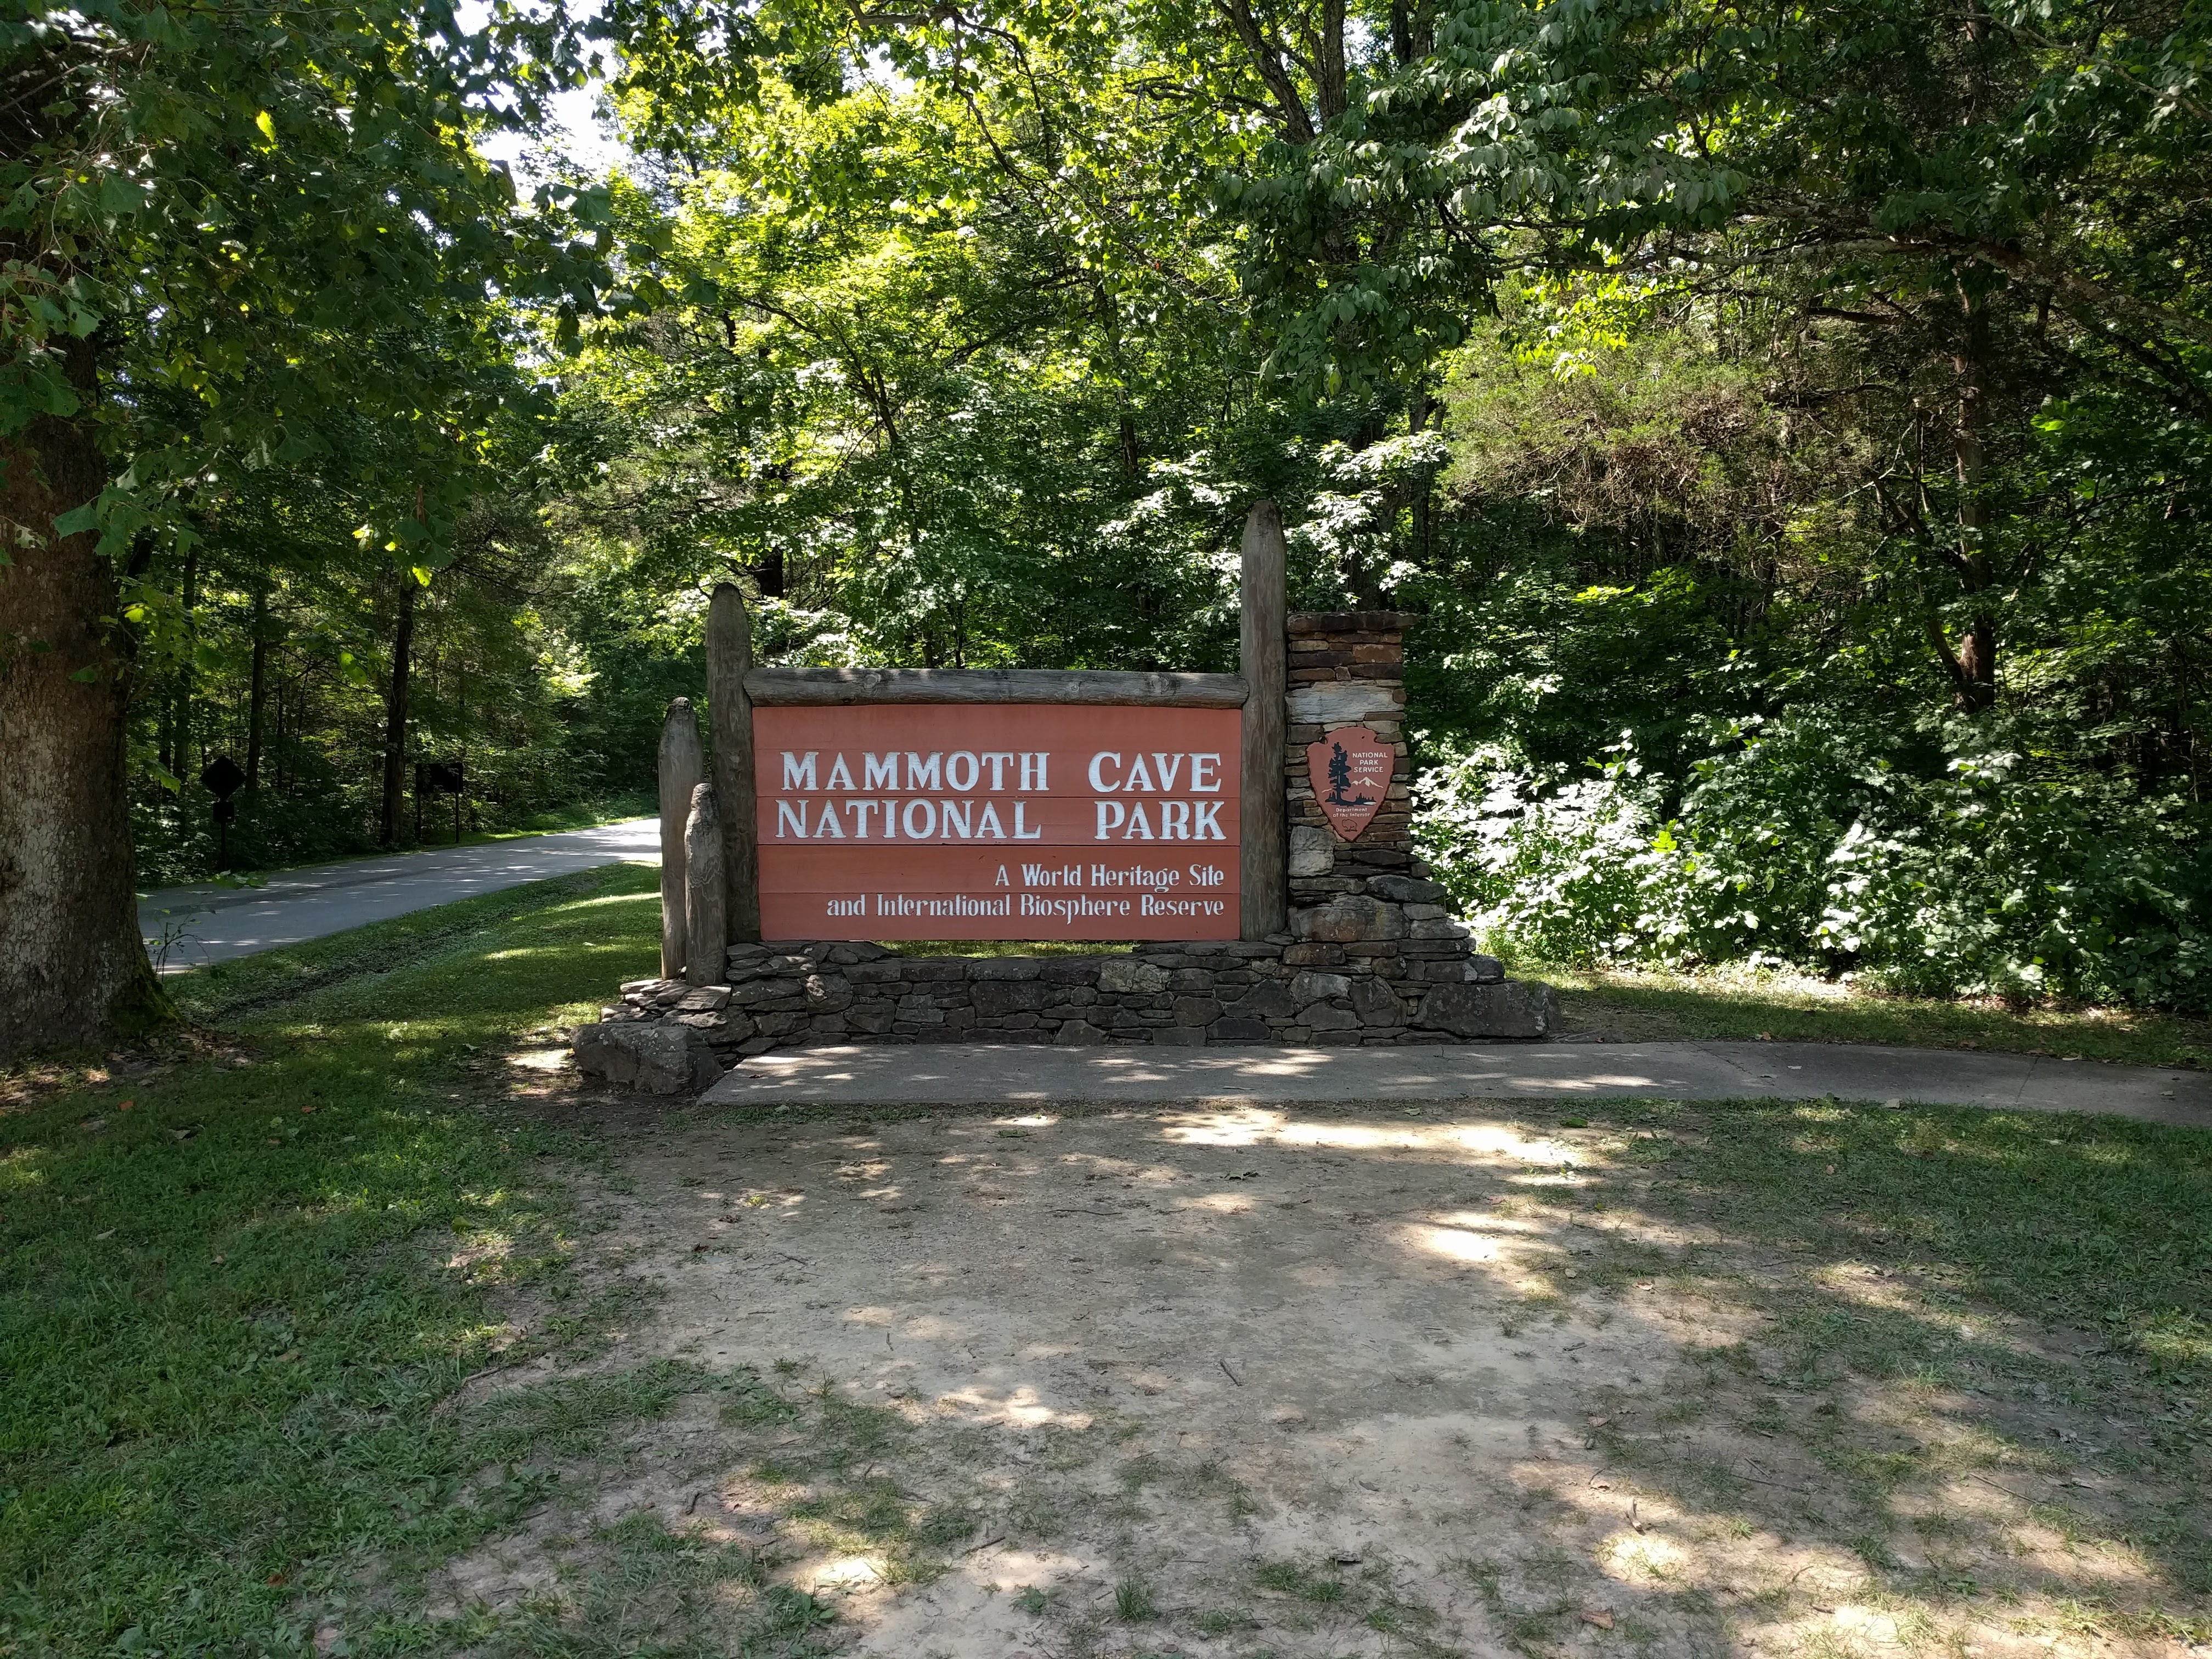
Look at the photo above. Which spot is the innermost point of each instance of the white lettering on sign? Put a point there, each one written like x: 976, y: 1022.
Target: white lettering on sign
x: 918, y: 819
x: 1179, y: 820
x: 961, y: 904
x: 1153, y: 904
x: 1154, y: 775
x: 896, y: 821
x: 1072, y: 909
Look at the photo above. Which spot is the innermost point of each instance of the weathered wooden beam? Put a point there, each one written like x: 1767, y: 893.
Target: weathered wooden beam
x: 729, y: 658
x: 784, y: 687
x: 679, y: 776
x: 1262, y: 602
x: 705, y: 927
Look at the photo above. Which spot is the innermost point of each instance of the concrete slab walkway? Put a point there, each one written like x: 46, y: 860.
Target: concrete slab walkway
x: 1015, y: 1076
x: 189, y: 926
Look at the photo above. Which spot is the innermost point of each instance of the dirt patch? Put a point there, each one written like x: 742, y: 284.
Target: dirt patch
x: 1339, y: 1381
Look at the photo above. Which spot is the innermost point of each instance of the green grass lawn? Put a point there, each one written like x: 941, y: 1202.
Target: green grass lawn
x: 2037, y: 1287
x: 1656, y: 1007
x: 239, y: 1280
x: 2094, y: 1223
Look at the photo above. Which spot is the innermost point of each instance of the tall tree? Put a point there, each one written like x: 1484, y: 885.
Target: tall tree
x: 215, y: 207
x: 2001, y: 199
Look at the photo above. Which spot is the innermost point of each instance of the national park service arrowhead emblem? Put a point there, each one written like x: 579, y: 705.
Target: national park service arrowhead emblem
x: 1351, y: 772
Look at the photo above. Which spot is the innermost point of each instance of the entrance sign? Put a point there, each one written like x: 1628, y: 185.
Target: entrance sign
x: 998, y: 820
x: 1350, y: 769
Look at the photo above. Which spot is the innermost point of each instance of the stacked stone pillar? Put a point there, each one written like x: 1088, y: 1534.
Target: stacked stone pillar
x: 1345, y: 668
x: 1363, y: 911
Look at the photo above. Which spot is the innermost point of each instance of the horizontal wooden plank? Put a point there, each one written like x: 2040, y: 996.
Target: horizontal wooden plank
x: 791, y: 687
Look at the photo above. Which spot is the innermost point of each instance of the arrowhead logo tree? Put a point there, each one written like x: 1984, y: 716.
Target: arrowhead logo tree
x: 1350, y: 769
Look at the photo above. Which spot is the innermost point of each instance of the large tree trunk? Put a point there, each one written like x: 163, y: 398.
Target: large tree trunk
x: 395, y: 713
x: 73, y: 969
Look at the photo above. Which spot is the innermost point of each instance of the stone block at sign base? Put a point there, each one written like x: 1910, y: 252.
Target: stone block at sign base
x: 827, y: 993
x: 652, y: 1057
x: 1313, y: 852
x: 1505, y: 1008
x: 1079, y: 1033
x: 1126, y: 975
x: 985, y: 968
x: 1265, y: 1001
x: 1354, y: 916
x: 1313, y: 986
x: 1197, y: 1010
x: 1375, y: 1003
x: 1010, y: 996
x: 1406, y: 889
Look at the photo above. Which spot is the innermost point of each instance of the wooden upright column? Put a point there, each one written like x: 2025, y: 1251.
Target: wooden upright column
x: 1263, y: 602
x: 706, y: 892
x: 729, y: 659
x: 679, y: 776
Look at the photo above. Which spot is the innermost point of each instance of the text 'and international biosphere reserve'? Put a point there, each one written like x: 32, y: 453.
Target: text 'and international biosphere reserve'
x: 1018, y: 821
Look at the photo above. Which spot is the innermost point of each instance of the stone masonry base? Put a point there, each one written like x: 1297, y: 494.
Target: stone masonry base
x: 669, y: 1037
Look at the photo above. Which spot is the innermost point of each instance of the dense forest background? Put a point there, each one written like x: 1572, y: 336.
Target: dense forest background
x: 1792, y: 426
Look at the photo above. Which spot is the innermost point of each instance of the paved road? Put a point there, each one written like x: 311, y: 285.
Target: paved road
x: 203, y: 923
x: 1012, y: 1075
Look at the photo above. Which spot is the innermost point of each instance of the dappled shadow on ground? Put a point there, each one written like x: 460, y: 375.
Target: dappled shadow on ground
x: 1779, y: 1378
x: 240, y: 1267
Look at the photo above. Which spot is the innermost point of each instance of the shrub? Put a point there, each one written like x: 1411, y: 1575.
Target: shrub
x: 1812, y: 840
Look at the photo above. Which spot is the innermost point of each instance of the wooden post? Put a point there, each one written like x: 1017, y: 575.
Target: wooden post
x: 1264, y: 602
x: 706, y: 926
x: 729, y: 659
x: 679, y: 776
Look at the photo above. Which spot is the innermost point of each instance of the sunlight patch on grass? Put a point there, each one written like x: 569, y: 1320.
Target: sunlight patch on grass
x: 303, y: 1215
x: 1735, y: 1003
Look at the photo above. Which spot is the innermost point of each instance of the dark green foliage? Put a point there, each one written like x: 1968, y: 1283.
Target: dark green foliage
x: 1683, y: 735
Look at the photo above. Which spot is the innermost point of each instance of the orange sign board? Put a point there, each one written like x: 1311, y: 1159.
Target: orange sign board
x: 1019, y: 821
